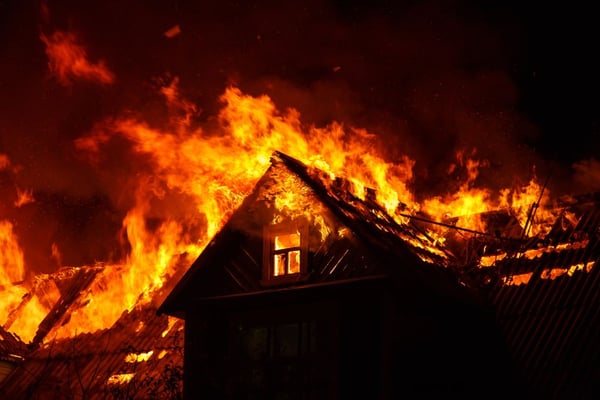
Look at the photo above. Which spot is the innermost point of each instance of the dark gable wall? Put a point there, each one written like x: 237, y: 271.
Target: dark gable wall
x: 375, y: 342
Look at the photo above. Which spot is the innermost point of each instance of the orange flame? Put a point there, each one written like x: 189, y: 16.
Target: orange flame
x: 68, y: 60
x: 11, y: 256
x: 24, y: 197
x: 531, y: 206
x: 195, y: 177
x: 214, y: 170
x: 119, y: 288
x: 468, y: 202
x: 32, y: 306
x: 12, y: 270
x: 4, y: 161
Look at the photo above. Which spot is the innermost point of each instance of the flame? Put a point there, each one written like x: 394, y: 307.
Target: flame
x: 4, y: 161
x: 10, y: 298
x: 12, y: 266
x: 531, y: 206
x: 67, y: 60
x: 214, y: 171
x: 29, y: 319
x: 121, y: 287
x: 33, y: 307
x: 172, y: 32
x: 12, y: 270
x: 24, y: 197
x: 468, y: 202
x: 194, y: 176
x: 55, y: 253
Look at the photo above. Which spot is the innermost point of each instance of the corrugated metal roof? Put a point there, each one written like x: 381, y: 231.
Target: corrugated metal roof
x: 140, y: 357
x: 547, y: 302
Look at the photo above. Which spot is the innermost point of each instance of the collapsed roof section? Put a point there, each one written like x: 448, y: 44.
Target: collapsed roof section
x: 139, y: 355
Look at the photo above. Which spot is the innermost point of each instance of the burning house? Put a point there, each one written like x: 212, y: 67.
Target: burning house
x: 186, y: 202
x: 311, y: 292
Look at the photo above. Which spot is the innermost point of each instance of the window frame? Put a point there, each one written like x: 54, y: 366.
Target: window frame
x: 270, y: 232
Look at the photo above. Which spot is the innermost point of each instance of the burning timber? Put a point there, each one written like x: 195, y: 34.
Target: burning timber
x: 139, y: 356
x: 306, y: 274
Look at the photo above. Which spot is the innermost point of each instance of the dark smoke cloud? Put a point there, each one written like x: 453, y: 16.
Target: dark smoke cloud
x: 429, y: 78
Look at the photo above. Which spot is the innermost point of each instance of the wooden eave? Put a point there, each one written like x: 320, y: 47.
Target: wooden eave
x: 291, y: 293
x: 174, y: 303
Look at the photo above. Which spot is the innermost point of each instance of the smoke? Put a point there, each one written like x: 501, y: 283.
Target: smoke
x: 587, y: 174
x: 430, y: 79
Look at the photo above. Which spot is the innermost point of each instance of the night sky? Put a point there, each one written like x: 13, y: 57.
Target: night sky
x: 518, y: 83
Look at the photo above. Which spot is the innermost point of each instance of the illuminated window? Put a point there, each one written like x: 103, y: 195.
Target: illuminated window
x: 284, y: 253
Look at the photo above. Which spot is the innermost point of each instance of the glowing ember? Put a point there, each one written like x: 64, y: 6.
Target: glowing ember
x: 172, y: 32
x: 172, y: 321
x: 519, y: 279
x: 162, y: 354
x: 140, y: 326
x: 553, y: 273
x: 548, y: 273
x: 138, y: 357
x: 120, y: 379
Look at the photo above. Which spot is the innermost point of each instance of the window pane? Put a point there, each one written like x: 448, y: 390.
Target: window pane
x: 287, y: 241
x: 286, y: 337
x: 254, y: 342
x: 280, y: 266
x: 294, y: 262
x: 308, y: 332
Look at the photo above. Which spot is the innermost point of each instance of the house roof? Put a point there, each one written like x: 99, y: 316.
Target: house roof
x: 546, y: 295
x: 366, y: 217
x: 140, y: 355
x: 387, y: 240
